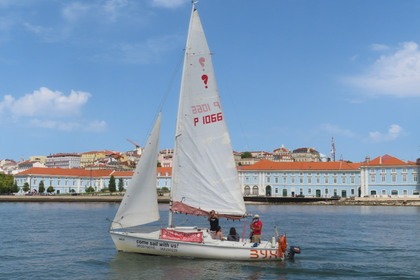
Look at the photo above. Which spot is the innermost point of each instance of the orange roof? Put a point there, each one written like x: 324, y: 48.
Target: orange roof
x: 67, y: 172
x: 39, y: 171
x: 388, y: 160
x: 164, y: 170
x: 271, y: 165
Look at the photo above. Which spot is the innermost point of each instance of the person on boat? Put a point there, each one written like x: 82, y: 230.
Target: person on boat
x: 219, y: 233
x: 233, y: 236
x: 214, y: 222
x: 256, y: 228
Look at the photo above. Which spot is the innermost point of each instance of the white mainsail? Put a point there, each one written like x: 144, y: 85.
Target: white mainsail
x: 204, y: 171
x: 139, y: 205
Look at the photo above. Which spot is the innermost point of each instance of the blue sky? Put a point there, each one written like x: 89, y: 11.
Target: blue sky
x: 77, y: 76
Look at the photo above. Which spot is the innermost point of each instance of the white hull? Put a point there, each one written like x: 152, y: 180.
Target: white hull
x: 151, y: 244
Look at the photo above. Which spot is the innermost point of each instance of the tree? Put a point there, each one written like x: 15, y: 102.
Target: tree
x: 50, y: 189
x: 15, y: 188
x: 41, y: 187
x: 246, y: 155
x: 90, y: 189
x: 6, y: 183
x: 26, y: 187
x: 111, y: 185
x: 120, y: 185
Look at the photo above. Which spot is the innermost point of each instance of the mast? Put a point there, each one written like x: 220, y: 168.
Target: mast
x: 170, y: 217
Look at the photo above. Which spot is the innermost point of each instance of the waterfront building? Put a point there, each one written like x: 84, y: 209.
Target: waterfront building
x: 309, y: 179
x: 387, y: 176
x: 384, y: 176
x: 66, y: 181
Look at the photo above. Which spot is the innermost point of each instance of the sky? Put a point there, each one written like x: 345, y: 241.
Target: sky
x: 79, y: 76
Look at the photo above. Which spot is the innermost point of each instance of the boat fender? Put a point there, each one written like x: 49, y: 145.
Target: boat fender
x: 282, y: 246
x: 283, y: 243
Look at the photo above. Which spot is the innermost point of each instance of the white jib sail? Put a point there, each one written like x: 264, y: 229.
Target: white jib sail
x: 139, y: 205
x: 204, y: 171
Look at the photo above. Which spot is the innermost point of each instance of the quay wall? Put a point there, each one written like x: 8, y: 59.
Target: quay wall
x: 248, y: 200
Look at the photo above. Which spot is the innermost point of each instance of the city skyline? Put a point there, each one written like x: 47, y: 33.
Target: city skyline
x: 79, y: 76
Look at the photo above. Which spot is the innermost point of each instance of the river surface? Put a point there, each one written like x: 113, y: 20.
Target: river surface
x: 71, y: 241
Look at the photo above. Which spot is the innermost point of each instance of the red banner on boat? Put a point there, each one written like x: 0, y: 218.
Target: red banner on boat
x: 196, y: 237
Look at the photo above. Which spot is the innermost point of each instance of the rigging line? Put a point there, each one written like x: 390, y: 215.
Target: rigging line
x: 166, y: 94
x: 171, y: 81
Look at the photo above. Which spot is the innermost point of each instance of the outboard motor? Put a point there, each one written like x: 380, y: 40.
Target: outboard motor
x: 292, y: 251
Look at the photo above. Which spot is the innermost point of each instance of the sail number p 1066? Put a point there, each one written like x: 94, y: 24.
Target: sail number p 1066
x: 206, y: 119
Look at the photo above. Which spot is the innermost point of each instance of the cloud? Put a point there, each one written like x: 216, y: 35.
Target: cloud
x: 49, y: 109
x: 393, y: 133
x: 45, y: 102
x: 395, y: 74
x: 169, y: 3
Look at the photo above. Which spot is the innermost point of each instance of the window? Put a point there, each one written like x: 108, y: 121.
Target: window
x: 326, y: 180
x: 373, y: 192
x: 404, y: 177
x: 309, y: 180
x: 247, y: 190
x: 394, y: 178
x: 383, y: 178
x: 255, y: 190
x: 352, y: 191
x: 405, y: 192
x: 394, y: 192
x: 326, y: 191
x: 372, y: 178
x: 383, y: 192
x: 267, y: 179
x: 309, y: 191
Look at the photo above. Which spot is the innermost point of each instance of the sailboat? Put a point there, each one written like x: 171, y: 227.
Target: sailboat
x: 204, y: 175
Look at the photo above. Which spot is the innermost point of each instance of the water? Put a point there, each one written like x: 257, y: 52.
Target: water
x: 70, y: 241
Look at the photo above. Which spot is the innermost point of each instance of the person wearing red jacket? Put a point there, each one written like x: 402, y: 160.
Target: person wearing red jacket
x: 256, y: 228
